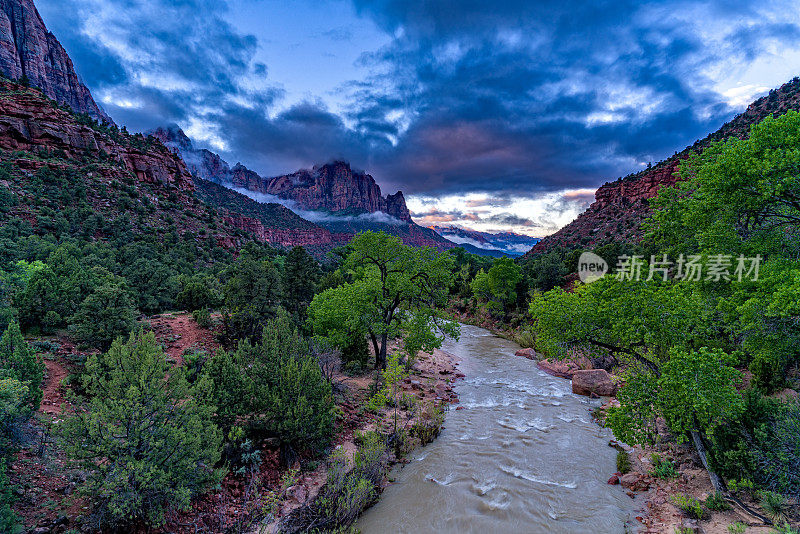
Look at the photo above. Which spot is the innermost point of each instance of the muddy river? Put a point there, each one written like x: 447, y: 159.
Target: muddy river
x: 523, y: 455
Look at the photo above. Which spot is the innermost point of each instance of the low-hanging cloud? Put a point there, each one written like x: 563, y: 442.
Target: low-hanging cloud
x: 321, y: 217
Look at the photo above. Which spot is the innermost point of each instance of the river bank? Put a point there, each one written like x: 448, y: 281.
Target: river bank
x: 655, y: 496
x: 429, y: 382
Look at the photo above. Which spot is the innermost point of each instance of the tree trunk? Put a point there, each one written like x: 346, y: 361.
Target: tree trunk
x: 716, y: 481
x: 375, y: 348
x: 380, y: 358
x: 287, y: 455
x: 701, y: 450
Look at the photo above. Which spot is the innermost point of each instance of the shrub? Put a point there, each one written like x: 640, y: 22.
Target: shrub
x: 139, y: 414
x: 775, y: 506
x: 19, y: 362
x: 106, y: 314
x: 197, y: 292
x: 737, y: 528
x: 428, y: 424
x: 355, y: 350
x: 275, y: 389
x: 525, y: 338
x: 663, y: 468
x: 688, y: 505
x: 8, y: 519
x: 403, y: 443
x: 13, y: 410
x: 716, y: 502
x: 301, y: 407
x: 777, y: 454
x: 252, y: 296
x: 348, y: 491
x: 202, y: 317
x: 623, y: 462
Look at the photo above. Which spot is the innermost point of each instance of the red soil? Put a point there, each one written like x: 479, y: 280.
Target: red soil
x: 179, y: 332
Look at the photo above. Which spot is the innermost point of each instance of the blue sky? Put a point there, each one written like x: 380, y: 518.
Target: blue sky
x: 500, y: 115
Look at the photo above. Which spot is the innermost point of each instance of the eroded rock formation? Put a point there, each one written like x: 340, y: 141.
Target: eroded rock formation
x: 29, y: 51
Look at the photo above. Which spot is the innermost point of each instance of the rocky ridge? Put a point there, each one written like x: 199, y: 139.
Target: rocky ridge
x: 332, y: 187
x: 127, y: 174
x: 29, y: 51
x: 335, y: 187
x: 620, y: 206
x: 348, y: 201
x: 29, y: 122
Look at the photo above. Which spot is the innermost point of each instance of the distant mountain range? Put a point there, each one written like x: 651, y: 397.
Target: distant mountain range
x: 332, y: 196
x: 621, y: 206
x: 488, y: 244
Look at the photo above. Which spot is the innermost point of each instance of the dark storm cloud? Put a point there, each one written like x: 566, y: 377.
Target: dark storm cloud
x: 160, y: 61
x: 507, y: 93
x: 513, y: 98
x: 509, y: 219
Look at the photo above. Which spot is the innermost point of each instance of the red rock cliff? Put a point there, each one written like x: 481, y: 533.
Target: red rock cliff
x: 27, y: 49
x: 336, y: 187
x: 28, y: 122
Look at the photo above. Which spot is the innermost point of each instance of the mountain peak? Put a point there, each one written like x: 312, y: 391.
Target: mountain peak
x: 334, y: 187
x: 28, y: 51
x: 173, y: 136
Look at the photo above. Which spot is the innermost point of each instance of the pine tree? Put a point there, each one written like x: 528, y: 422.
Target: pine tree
x: 104, y: 315
x: 19, y: 362
x: 145, y: 436
x: 301, y: 274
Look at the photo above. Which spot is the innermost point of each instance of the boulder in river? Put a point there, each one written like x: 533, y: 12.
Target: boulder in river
x: 593, y: 382
x: 559, y: 368
x: 527, y: 353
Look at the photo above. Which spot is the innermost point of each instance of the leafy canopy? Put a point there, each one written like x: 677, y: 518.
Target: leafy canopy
x: 394, y: 291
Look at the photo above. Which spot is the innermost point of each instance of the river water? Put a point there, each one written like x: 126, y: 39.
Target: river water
x: 523, y: 456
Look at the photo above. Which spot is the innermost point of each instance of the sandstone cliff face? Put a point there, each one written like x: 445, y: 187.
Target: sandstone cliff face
x: 28, y: 122
x: 28, y: 49
x: 336, y: 187
x: 622, y: 205
x: 34, y: 133
x: 333, y: 187
x: 283, y: 236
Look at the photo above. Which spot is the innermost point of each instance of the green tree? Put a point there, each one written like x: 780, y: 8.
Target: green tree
x: 739, y: 196
x: 106, y: 314
x: 197, y: 292
x: 337, y: 315
x: 14, y: 409
x: 662, y: 333
x: 546, y: 271
x: 395, y: 290
x: 144, y: 435
x: 274, y: 389
x: 19, y: 362
x: 301, y: 274
x: 252, y: 296
x: 498, y: 286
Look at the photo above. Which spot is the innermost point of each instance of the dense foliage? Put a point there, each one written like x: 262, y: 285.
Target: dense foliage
x: 274, y: 388
x: 145, y: 435
x: 21, y: 371
x: 684, y: 341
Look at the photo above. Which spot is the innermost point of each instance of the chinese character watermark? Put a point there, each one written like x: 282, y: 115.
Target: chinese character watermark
x: 692, y: 267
